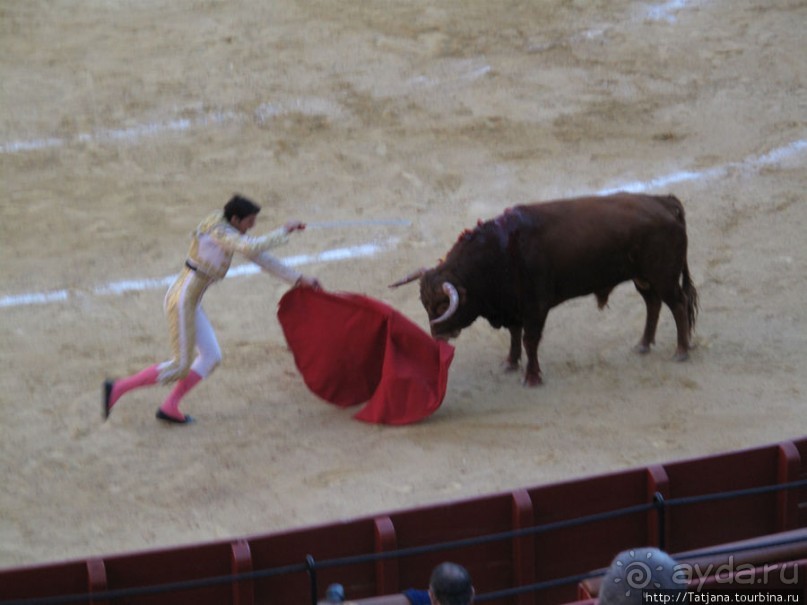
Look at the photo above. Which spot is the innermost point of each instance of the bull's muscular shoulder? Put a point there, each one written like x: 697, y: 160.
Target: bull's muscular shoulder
x: 517, y: 218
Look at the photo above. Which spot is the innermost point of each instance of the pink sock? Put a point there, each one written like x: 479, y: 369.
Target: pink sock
x: 143, y: 378
x: 171, y: 405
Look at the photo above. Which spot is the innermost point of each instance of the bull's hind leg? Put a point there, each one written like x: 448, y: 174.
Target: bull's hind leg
x: 653, y: 303
x: 514, y: 356
x: 677, y: 302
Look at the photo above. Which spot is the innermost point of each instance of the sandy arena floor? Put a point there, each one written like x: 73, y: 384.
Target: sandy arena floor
x: 397, y: 125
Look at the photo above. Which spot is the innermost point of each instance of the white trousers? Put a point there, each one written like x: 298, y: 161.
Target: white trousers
x: 190, y: 330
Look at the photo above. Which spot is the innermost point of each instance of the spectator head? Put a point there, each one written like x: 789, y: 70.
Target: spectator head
x: 636, y: 570
x: 450, y: 584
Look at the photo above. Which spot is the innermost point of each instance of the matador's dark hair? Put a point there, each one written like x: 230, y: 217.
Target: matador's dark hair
x: 241, y: 207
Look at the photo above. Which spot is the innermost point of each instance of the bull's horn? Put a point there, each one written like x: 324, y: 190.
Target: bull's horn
x: 409, y: 278
x: 453, y: 302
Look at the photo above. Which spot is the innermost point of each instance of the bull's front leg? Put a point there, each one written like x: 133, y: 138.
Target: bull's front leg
x: 532, y: 336
x: 514, y: 356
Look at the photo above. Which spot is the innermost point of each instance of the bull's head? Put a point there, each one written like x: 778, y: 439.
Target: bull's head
x: 441, y: 299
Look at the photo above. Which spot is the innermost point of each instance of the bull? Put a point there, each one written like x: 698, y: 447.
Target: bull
x: 514, y: 268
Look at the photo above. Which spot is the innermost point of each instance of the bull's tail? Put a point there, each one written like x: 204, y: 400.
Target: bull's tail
x: 674, y: 205
x: 691, y: 295
x: 686, y: 283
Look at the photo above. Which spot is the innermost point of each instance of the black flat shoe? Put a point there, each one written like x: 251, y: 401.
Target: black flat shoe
x: 163, y: 416
x: 108, y: 384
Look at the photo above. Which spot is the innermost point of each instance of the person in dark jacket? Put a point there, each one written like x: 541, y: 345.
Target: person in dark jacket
x: 450, y: 584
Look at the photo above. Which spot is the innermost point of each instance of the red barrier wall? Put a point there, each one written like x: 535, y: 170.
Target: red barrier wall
x: 494, y: 565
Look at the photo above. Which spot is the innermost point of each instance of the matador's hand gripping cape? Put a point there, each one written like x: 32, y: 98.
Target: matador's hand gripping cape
x: 353, y: 349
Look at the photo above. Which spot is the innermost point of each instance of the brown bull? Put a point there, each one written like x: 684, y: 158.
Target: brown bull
x: 513, y: 269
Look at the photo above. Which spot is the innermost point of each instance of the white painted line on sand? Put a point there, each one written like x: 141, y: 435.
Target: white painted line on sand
x: 667, y: 11
x: 138, y: 285
x: 752, y: 163
x: 37, y: 298
x: 132, y: 133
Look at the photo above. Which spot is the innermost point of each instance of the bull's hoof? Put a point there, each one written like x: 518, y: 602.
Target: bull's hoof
x: 532, y: 381
x: 509, y: 366
x: 681, y: 355
x: 641, y: 349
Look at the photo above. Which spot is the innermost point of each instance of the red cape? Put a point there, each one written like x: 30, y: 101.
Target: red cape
x: 350, y: 349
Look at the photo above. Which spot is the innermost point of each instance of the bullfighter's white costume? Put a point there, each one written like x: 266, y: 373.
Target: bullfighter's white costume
x: 213, y: 245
